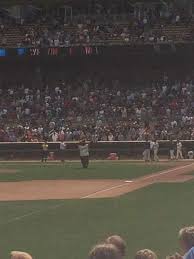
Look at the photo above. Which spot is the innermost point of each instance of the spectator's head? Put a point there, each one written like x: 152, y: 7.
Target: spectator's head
x: 104, y: 251
x: 145, y: 254
x: 186, y: 238
x: 118, y: 242
x: 20, y: 255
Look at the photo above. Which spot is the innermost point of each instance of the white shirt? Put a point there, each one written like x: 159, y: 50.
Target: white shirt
x: 155, y: 146
x: 56, y: 42
x: 26, y: 90
x: 40, y: 130
x: 63, y: 146
x: 164, y: 88
x: 179, y: 145
x: 145, y: 21
x: 55, y: 137
x: 84, y: 150
x: 151, y: 144
x: 110, y: 137
x: 27, y: 111
x: 10, y: 91
x: 57, y: 89
x: 177, y: 18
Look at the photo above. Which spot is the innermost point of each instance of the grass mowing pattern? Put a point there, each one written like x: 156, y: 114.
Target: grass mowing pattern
x: 104, y: 170
x: 147, y: 218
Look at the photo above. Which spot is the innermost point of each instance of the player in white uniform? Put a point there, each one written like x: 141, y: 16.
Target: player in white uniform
x: 179, y: 153
x: 155, y: 149
x: 84, y: 153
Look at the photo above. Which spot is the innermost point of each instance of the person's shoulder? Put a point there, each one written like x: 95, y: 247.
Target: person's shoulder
x: 192, y: 250
x: 189, y: 254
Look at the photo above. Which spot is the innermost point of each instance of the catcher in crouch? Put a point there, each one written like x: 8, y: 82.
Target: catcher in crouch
x: 84, y: 153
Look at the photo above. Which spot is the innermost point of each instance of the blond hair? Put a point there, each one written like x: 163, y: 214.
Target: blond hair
x: 118, y: 242
x: 186, y: 235
x: 104, y: 251
x: 20, y: 255
x: 145, y: 254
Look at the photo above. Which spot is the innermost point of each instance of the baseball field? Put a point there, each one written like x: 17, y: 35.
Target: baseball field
x: 60, y: 211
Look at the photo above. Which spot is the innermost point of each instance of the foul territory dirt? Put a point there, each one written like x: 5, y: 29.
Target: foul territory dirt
x: 83, y: 189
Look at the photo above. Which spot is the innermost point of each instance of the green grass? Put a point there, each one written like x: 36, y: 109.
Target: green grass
x: 103, y: 170
x: 148, y: 218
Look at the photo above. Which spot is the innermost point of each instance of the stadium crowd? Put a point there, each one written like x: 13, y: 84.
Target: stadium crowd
x: 102, y: 26
x: 97, y: 111
x: 89, y: 31
x: 114, y: 247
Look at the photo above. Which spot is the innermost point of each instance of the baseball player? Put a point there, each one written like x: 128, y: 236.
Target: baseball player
x: 146, y: 153
x: 179, y: 150
x: 172, y: 147
x: 155, y: 149
x: 84, y: 153
x: 44, y: 152
x: 151, y: 150
x: 62, y: 151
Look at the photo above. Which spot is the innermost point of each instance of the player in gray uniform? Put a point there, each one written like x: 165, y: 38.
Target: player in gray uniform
x: 155, y: 149
x: 171, y: 149
x: 146, y: 153
x: 179, y: 150
x: 62, y: 151
x: 84, y: 153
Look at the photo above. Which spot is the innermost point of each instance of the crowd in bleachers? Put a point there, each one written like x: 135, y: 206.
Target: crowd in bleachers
x: 97, y: 111
x: 114, y: 247
x: 94, y: 109
x: 152, y: 26
x: 134, y: 30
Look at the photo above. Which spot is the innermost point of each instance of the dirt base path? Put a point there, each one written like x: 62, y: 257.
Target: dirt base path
x: 82, y: 189
x: 177, y: 174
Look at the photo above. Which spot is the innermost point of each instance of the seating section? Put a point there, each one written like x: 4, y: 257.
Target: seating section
x: 97, y: 109
x: 30, y: 35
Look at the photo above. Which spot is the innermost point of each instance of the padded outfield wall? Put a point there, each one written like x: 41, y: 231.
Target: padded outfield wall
x: 99, y: 150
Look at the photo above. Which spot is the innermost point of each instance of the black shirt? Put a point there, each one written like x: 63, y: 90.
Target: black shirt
x: 172, y: 145
x: 147, y: 145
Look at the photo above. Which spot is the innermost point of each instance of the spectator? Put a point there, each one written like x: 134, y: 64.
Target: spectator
x: 104, y: 251
x: 186, y: 239
x: 118, y: 242
x: 145, y: 254
x: 45, y: 33
x: 101, y: 113
x: 55, y: 136
x: 20, y: 255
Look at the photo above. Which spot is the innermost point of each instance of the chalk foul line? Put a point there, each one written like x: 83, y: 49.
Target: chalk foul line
x: 37, y: 212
